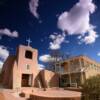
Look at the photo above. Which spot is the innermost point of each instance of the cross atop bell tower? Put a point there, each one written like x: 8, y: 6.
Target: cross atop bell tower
x: 29, y: 41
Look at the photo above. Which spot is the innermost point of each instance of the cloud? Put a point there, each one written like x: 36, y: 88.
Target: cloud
x: 57, y: 40
x: 4, y: 53
x: 41, y: 66
x: 45, y: 58
x: 91, y: 38
x: 7, y: 32
x: 79, y: 37
x: 33, y: 6
x: 98, y: 54
x: 1, y: 64
x: 49, y: 58
x: 77, y: 21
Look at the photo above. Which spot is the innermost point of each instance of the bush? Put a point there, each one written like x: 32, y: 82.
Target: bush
x: 22, y: 94
x: 44, y: 89
x: 91, y: 88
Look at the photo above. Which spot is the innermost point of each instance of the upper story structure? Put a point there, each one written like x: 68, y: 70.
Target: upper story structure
x: 77, y: 69
x: 77, y: 64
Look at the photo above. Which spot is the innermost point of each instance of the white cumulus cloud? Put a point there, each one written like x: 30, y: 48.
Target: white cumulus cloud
x: 98, y: 54
x: 91, y: 38
x: 57, y: 40
x: 1, y: 64
x: 7, y: 32
x: 4, y: 53
x: 33, y: 7
x: 45, y: 58
x: 77, y: 21
x: 41, y: 66
x: 49, y: 58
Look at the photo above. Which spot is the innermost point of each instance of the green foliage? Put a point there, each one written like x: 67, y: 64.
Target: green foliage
x: 91, y: 88
x: 92, y: 85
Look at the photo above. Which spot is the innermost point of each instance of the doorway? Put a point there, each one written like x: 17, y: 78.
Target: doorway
x: 27, y: 80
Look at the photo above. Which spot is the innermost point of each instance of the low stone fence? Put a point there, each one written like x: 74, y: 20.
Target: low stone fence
x: 73, y: 89
x: 34, y: 97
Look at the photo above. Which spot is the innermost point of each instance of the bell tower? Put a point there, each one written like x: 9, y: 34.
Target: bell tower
x: 27, y: 66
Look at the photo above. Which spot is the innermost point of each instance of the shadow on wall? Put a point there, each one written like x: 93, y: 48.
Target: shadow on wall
x: 45, y: 80
x: 39, y: 81
x: 36, y: 84
x: 54, y: 81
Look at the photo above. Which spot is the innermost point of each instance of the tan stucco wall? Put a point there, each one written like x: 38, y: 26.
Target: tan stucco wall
x: 7, y: 72
x: 50, y: 78
x: 91, y: 72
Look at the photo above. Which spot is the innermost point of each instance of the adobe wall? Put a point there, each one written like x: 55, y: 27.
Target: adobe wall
x: 50, y: 79
x: 34, y: 97
x: 7, y: 72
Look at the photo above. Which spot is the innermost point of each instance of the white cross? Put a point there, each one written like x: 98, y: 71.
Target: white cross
x: 29, y: 41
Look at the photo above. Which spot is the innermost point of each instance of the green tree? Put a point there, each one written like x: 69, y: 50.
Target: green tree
x: 91, y: 88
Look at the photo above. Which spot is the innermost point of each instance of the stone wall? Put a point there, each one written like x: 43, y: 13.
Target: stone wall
x: 33, y: 97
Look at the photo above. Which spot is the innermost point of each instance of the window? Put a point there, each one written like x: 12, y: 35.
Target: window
x: 27, y: 66
x: 28, y: 54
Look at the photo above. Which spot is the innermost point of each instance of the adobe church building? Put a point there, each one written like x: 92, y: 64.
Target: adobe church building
x: 21, y: 70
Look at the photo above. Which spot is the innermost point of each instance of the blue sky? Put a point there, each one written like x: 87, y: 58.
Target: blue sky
x: 38, y: 20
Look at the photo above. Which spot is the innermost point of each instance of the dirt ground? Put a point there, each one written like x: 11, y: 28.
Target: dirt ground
x: 2, y: 96
x: 9, y: 95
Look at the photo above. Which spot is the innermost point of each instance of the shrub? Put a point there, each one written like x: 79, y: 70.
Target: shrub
x: 91, y: 88
x: 22, y: 94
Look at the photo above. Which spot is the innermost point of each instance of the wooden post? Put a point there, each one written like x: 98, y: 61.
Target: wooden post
x: 82, y: 79
x: 69, y: 72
